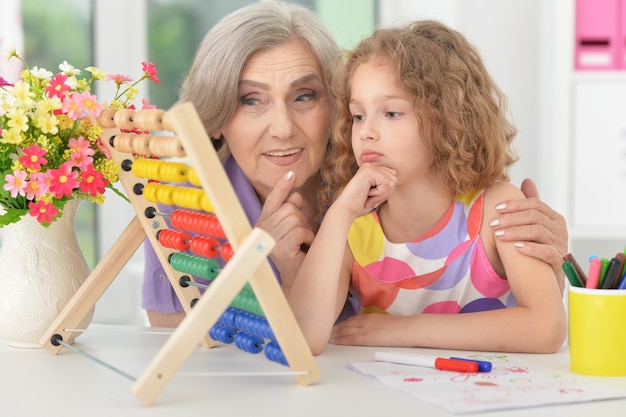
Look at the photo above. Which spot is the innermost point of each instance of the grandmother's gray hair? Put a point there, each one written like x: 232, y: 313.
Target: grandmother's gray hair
x: 212, y: 82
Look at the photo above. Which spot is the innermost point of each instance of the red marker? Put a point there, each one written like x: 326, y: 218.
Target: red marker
x: 443, y: 364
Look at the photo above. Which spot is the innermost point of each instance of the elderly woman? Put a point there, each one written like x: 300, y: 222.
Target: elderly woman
x: 260, y: 83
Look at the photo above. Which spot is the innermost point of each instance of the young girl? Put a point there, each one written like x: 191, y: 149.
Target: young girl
x: 418, y: 163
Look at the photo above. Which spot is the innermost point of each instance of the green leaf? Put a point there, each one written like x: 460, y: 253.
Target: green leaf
x: 12, y: 215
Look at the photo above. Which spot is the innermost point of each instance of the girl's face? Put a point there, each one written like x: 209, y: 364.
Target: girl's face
x: 282, y: 122
x: 385, y: 129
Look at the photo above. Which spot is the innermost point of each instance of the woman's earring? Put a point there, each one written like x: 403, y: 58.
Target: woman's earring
x: 217, y: 142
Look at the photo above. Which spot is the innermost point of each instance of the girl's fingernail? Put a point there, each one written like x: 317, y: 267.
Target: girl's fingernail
x: 519, y: 244
x: 499, y: 233
x: 501, y: 206
x: 289, y: 175
x: 494, y: 222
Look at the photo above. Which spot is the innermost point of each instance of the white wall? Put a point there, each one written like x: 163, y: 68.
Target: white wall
x: 120, y: 38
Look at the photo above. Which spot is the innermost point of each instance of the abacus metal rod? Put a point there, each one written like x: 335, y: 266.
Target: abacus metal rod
x: 242, y: 373
x: 96, y: 360
x: 130, y: 330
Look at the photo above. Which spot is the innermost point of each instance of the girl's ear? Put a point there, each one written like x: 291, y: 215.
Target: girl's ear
x: 216, y: 135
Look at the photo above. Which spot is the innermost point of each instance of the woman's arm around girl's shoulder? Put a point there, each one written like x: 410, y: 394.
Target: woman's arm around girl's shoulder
x: 532, y: 281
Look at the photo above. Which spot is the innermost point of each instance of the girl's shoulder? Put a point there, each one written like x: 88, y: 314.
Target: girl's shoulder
x: 500, y: 191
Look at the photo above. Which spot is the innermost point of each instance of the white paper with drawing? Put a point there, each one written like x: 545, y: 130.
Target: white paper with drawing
x: 512, y: 383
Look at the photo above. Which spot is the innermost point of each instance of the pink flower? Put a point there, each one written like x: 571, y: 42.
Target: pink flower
x: 71, y: 107
x: 5, y: 83
x: 33, y: 158
x: 57, y: 86
x: 103, y: 148
x: 63, y: 180
x: 81, y: 152
x: 88, y: 103
x: 150, y: 71
x: 145, y: 104
x: 92, y: 182
x: 16, y: 183
x: 119, y: 78
x: 44, y: 212
x: 37, y: 186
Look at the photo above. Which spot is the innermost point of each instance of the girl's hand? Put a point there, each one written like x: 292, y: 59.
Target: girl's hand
x: 372, y: 329
x: 368, y: 189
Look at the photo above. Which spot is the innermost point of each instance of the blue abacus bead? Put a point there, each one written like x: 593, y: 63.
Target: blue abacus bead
x: 249, y: 342
x: 222, y: 333
x: 229, y: 317
x: 274, y: 353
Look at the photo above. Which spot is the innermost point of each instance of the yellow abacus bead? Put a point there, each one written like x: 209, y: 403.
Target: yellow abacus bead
x: 205, y: 204
x: 193, y: 178
x: 150, y: 190
x: 174, y: 172
x: 165, y: 194
x: 187, y: 197
x: 147, y: 168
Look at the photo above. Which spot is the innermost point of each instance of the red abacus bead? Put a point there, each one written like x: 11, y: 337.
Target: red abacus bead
x: 175, y: 239
x: 206, y: 246
x: 227, y: 251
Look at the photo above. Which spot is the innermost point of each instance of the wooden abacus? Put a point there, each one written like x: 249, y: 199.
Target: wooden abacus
x: 243, y: 302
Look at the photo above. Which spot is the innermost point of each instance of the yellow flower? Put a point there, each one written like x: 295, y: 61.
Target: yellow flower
x: 96, y: 73
x: 47, y: 123
x: 12, y: 136
x: 23, y: 95
x: 17, y: 120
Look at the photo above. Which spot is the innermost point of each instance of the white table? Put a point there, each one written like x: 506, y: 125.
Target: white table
x: 35, y: 382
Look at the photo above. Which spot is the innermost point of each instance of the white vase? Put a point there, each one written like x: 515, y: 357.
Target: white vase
x: 40, y: 270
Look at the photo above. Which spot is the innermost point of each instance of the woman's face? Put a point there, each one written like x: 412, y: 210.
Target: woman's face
x: 282, y: 121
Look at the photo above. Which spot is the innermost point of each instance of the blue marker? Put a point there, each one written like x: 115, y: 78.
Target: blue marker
x: 483, y: 366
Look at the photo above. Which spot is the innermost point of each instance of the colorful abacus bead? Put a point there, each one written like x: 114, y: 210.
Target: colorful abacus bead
x: 147, y: 168
x: 222, y: 333
x: 173, y: 172
x: 175, y: 239
x: 206, y: 246
x: 192, y: 221
x: 193, y: 177
x: 274, y: 353
x: 249, y: 342
x: 188, y: 197
x: 195, y: 265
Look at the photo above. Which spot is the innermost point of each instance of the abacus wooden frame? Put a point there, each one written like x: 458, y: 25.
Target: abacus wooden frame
x: 251, y: 247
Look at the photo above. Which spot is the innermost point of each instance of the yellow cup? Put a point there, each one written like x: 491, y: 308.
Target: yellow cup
x: 597, y: 331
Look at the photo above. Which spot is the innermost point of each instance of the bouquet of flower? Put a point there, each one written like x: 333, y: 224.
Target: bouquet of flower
x: 50, y: 151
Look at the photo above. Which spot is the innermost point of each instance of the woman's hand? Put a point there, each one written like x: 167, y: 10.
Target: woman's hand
x: 283, y: 219
x: 537, y: 229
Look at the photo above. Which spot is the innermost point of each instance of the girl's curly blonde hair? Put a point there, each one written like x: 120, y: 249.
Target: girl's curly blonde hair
x: 461, y: 111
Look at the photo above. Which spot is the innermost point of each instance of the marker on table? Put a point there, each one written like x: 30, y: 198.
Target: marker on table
x: 483, y: 366
x: 427, y: 361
